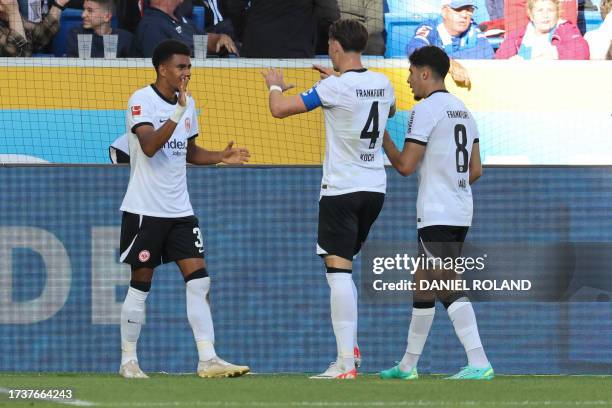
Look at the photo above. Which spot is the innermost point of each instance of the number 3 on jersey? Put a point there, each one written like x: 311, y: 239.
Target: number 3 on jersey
x: 372, y: 122
x: 199, y: 242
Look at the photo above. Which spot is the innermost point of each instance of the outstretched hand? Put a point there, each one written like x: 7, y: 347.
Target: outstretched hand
x: 235, y: 155
x: 275, y: 77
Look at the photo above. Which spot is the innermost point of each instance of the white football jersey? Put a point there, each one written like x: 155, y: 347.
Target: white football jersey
x: 447, y: 128
x: 356, y: 107
x: 158, y: 184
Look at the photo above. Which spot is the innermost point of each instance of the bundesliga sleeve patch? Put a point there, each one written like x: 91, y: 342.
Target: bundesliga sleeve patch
x: 136, y: 110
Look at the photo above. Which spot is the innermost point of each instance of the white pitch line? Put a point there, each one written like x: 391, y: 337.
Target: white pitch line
x: 73, y: 402
x: 339, y: 404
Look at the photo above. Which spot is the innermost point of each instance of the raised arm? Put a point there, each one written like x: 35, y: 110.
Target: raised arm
x: 151, y: 140
x: 282, y: 106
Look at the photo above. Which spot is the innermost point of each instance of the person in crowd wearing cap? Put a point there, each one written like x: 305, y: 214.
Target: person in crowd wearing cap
x: 456, y: 33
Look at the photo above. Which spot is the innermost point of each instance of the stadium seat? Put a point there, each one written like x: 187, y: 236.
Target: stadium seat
x: 197, y: 18
x: 71, y: 18
x: 400, y: 29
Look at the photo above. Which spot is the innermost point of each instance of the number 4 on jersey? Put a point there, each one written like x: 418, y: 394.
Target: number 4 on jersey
x: 373, y: 123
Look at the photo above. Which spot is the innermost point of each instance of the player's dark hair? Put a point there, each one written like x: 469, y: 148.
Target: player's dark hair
x: 107, y: 4
x: 432, y: 57
x: 166, y: 49
x: 350, y: 33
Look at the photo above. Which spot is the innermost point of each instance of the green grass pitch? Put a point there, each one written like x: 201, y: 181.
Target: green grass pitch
x: 163, y: 390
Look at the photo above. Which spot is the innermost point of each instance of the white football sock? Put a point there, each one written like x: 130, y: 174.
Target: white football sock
x: 200, y: 318
x: 462, y: 315
x: 356, y: 295
x: 420, y: 324
x: 343, y: 315
x: 132, y: 319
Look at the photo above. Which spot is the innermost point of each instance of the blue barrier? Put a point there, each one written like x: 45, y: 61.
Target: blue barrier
x: 59, y: 232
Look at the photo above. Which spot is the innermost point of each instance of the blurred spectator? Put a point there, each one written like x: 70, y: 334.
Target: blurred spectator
x: 457, y: 33
x: 217, y: 18
x: 160, y: 22
x: 20, y: 37
x: 129, y: 13
x: 600, y: 39
x: 34, y: 10
x: 324, y: 17
x: 546, y: 36
x: 285, y: 28
x: 185, y: 9
x: 97, y: 15
x: 516, y: 17
x: 370, y: 13
x: 495, y: 8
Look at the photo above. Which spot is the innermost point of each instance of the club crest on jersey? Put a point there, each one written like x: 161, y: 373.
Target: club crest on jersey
x: 144, y: 255
x: 179, y: 29
x: 188, y: 124
x: 136, y: 110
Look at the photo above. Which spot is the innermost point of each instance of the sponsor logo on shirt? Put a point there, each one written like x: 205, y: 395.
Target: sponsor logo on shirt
x: 177, y: 147
x: 136, y: 110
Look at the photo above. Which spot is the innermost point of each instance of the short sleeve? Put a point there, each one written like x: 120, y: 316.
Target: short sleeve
x: 323, y: 93
x: 420, y: 125
x: 327, y: 90
x: 476, y: 134
x: 139, y: 112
